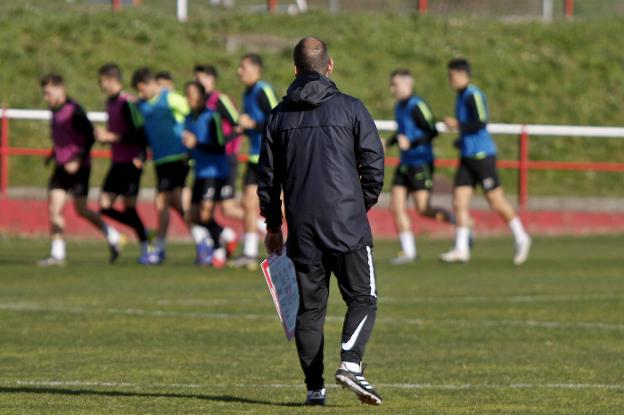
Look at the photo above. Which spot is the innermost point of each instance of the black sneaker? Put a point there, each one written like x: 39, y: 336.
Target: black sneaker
x: 358, y: 384
x: 315, y: 397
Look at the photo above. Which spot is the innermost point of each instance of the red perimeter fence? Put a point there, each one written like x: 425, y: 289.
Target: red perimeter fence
x: 523, y: 164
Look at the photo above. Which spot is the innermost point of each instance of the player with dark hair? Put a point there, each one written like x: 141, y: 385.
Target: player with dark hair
x: 126, y: 137
x: 72, y: 138
x: 258, y: 101
x: 477, y: 166
x: 163, y: 113
x: 414, y: 174
x: 321, y: 149
x: 204, y: 137
x: 219, y: 102
x: 165, y: 80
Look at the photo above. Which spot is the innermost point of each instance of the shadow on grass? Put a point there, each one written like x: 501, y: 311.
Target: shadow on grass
x: 124, y: 394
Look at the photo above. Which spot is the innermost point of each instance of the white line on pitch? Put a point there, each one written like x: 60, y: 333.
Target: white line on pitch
x: 34, y: 307
x: 460, y: 299
x: 450, y: 386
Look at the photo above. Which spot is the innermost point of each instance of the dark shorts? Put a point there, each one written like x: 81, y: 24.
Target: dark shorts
x: 233, y: 176
x: 171, y: 175
x: 414, y: 178
x: 251, y: 175
x: 483, y: 172
x: 213, y: 190
x: 76, y: 184
x: 122, y: 179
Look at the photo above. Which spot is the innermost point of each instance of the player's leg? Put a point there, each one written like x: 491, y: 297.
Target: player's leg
x: 398, y: 204
x: 423, y: 187
x: 133, y: 220
x: 313, y: 281
x: 113, y: 237
x: 499, y: 203
x: 463, y: 189
x: 162, y: 210
x: 80, y: 191
x: 355, y: 272
x: 56, y: 202
x: 251, y: 204
x: 462, y: 196
x: 122, y: 182
x: 250, y: 224
x: 231, y: 207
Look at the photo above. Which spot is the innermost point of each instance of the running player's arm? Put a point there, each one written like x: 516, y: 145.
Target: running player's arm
x: 84, y: 127
x: 270, y: 179
x: 228, y: 111
x: 266, y: 101
x: 423, y: 117
x: 217, y: 141
x: 370, y: 155
x: 477, y: 113
x: 136, y: 133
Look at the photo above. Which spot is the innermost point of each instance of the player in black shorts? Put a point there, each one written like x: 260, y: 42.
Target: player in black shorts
x: 414, y: 175
x: 477, y: 166
x: 125, y: 135
x: 203, y: 136
x: 72, y: 137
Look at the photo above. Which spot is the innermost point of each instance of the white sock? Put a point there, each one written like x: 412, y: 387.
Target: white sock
x: 250, y: 245
x: 112, y: 235
x: 228, y: 235
x: 57, y: 250
x: 517, y: 229
x: 408, y: 244
x: 351, y: 367
x: 199, y: 234
x: 262, y: 227
x: 462, y: 236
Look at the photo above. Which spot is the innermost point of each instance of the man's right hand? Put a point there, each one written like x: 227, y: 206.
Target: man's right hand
x: 274, y: 241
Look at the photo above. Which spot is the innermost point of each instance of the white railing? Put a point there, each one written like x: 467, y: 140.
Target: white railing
x: 388, y: 125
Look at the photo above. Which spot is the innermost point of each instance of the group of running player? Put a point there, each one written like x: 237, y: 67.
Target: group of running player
x: 202, y: 129
x: 477, y: 164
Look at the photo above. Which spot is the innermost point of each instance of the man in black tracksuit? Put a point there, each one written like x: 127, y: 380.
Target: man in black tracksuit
x: 322, y: 149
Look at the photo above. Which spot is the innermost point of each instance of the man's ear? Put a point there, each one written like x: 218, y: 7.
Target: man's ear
x: 330, y: 67
x: 296, y: 70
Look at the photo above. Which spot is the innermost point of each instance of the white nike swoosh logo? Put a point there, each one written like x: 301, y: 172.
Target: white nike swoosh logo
x: 349, y: 345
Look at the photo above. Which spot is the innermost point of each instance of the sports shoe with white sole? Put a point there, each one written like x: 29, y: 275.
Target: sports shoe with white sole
x: 51, y: 262
x: 315, y: 397
x: 522, y: 252
x: 356, y: 382
x: 115, y: 249
x: 246, y: 262
x: 455, y: 256
x: 402, y: 260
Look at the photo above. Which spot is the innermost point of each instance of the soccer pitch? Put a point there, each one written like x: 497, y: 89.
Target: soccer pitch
x: 481, y: 338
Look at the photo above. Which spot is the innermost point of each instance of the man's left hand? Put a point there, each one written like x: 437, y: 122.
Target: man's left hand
x: 274, y: 241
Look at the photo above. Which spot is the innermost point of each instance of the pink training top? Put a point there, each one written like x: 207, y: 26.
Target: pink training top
x: 70, y: 134
x: 233, y: 146
x: 121, y: 121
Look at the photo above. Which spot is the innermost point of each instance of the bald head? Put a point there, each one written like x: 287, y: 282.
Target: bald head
x: 311, y: 55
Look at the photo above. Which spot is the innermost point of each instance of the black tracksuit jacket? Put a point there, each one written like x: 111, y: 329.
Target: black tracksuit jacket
x: 322, y: 149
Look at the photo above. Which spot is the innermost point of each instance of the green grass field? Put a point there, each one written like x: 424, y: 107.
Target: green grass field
x: 483, y: 338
